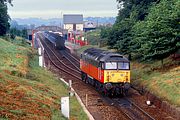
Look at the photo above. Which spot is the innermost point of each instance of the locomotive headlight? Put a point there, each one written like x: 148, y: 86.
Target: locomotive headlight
x: 126, y: 78
x: 108, y: 77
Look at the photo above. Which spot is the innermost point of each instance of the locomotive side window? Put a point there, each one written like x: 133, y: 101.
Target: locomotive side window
x: 111, y: 65
x: 123, y: 65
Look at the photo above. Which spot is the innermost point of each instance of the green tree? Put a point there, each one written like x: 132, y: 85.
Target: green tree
x: 105, y: 32
x: 127, y: 7
x: 24, y: 33
x: 123, y: 45
x: 16, y: 32
x: 4, y: 17
x: 131, y: 11
x: 159, y: 35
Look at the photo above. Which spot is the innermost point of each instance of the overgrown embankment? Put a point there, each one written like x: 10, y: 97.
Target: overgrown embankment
x: 26, y: 90
x: 162, y: 81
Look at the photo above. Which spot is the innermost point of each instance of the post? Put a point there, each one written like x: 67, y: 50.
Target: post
x: 44, y: 65
x: 65, y: 106
x: 40, y: 51
x: 32, y: 39
x: 71, y: 93
x: 41, y: 61
x: 49, y: 66
x: 70, y: 83
x: 86, y: 100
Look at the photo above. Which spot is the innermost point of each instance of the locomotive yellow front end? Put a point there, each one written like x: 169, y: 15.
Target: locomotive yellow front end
x: 117, y: 76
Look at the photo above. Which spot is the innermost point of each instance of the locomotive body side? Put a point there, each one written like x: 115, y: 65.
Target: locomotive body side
x: 109, y: 71
x: 92, y: 71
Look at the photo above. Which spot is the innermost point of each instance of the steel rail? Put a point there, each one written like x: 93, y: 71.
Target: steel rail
x: 67, y: 57
x: 61, y: 67
x: 141, y: 110
x: 125, y: 111
x: 77, y: 60
x: 59, y: 59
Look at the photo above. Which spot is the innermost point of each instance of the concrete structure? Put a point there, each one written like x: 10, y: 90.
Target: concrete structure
x: 89, y: 25
x: 49, y: 28
x: 44, y: 28
x: 73, y: 22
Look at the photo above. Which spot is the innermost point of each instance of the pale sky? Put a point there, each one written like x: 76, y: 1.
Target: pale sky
x: 56, y: 8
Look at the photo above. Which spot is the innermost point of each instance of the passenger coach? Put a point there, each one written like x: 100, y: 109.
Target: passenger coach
x: 109, y: 72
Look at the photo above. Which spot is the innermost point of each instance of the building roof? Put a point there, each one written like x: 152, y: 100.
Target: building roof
x: 73, y: 19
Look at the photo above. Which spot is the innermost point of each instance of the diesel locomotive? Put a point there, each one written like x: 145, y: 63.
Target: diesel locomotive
x: 109, y: 72
x: 56, y: 39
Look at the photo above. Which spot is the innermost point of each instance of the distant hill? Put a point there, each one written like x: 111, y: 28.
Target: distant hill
x: 58, y: 21
x: 38, y: 21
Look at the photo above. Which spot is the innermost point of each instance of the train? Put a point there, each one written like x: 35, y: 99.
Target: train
x: 56, y: 39
x: 108, y: 71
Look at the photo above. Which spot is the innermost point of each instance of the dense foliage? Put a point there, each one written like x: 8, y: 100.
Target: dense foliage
x: 93, y: 37
x: 16, y: 32
x: 159, y: 35
x: 4, y: 17
x: 147, y: 28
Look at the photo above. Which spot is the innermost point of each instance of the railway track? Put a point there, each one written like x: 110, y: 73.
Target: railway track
x: 71, y: 59
x: 131, y: 110
x: 128, y: 108
x: 80, y: 86
x: 59, y: 62
x: 67, y: 63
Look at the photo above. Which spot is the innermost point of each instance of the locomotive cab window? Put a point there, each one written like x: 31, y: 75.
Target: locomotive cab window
x: 111, y: 65
x: 123, y: 66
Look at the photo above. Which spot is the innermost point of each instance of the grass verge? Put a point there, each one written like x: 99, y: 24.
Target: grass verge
x: 162, y: 82
x: 28, y: 91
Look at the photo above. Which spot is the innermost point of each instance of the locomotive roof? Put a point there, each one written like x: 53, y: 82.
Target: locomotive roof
x: 103, y: 55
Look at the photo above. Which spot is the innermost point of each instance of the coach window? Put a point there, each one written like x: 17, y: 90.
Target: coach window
x: 123, y: 66
x: 111, y: 65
